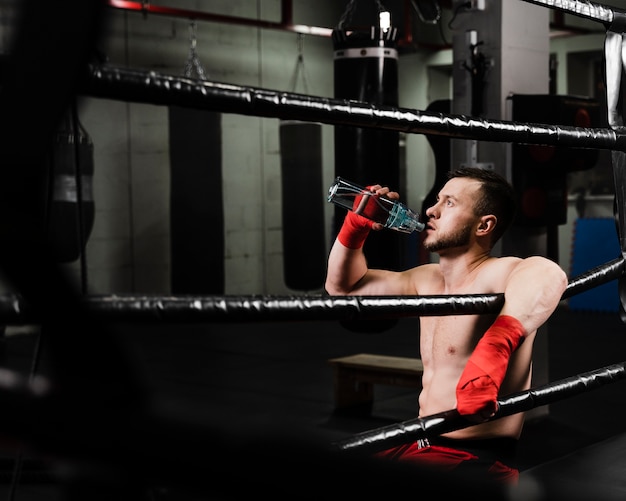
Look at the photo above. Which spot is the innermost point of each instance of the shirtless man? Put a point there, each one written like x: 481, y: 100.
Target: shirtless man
x: 469, y: 360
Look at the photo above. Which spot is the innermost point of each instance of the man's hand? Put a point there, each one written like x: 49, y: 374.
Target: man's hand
x: 356, y: 228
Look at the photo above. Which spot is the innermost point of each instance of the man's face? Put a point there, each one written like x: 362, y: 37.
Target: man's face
x: 451, y: 221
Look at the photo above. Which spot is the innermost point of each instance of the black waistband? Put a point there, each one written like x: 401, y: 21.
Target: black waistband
x: 502, y: 447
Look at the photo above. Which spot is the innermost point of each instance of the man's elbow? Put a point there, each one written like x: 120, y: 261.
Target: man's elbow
x: 549, y: 277
x: 334, y: 289
x: 564, y: 281
x: 557, y: 277
x: 560, y: 278
x: 330, y: 289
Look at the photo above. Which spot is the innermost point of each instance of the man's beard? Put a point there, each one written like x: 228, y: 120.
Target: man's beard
x: 460, y: 238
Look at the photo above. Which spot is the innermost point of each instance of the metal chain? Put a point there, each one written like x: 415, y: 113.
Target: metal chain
x: 193, y: 61
x: 346, y: 17
x: 299, y: 69
x: 347, y: 14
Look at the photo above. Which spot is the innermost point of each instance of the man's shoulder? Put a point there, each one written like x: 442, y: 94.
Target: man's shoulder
x: 507, y: 260
x: 425, y: 269
x: 536, y: 264
x: 502, y: 265
x: 516, y: 260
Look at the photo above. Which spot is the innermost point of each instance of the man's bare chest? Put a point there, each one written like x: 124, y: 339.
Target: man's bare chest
x: 450, y: 336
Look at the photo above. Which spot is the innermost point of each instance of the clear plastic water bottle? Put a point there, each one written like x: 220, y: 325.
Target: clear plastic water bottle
x: 380, y: 209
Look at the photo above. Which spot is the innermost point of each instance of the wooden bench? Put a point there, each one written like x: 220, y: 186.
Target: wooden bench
x: 356, y: 375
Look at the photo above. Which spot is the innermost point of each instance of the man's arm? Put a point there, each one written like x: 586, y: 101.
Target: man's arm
x: 346, y: 267
x: 532, y: 293
x: 348, y: 272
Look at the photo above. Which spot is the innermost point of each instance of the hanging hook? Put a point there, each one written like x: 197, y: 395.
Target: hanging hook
x: 192, y: 35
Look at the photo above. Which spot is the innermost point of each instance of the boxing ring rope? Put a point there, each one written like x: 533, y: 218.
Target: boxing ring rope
x: 150, y: 87
x: 241, y: 309
x: 586, y: 10
x: 154, y: 88
x: 451, y: 420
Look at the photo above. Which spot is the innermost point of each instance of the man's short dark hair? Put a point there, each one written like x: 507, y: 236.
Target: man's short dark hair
x: 498, y: 197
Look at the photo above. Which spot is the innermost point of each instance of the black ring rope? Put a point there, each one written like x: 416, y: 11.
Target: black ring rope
x: 587, y: 10
x: 595, y: 276
x: 153, y: 88
x: 240, y: 309
x: 436, y: 424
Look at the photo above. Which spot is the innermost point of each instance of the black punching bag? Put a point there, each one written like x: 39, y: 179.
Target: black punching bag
x: 366, y: 69
x: 303, y: 197
x: 196, y: 207
x: 71, y: 209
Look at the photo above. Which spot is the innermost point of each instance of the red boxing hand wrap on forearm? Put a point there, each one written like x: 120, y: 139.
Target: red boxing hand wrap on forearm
x: 356, y: 228
x: 477, y: 390
x: 354, y: 231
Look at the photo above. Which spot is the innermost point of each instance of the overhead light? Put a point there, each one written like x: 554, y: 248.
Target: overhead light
x: 384, y: 18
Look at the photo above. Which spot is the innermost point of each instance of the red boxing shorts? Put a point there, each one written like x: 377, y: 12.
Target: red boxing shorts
x: 476, y: 457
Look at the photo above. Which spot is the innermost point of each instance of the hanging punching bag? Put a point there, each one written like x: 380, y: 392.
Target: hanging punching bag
x: 366, y: 69
x: 304, y: 244
x: 196, y: 200
x: 71, y: 205
x: 196, y: 207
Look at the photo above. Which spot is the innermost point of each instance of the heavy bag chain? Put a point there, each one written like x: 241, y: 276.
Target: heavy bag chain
x: 193, y: 61
x: 299, y: 69
x: 346, y: 17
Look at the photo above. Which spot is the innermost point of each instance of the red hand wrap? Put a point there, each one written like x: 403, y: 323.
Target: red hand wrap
x: 477, y: 390
x: 356, y: 228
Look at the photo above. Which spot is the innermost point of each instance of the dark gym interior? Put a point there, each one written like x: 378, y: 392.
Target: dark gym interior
x: 230, y: 404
